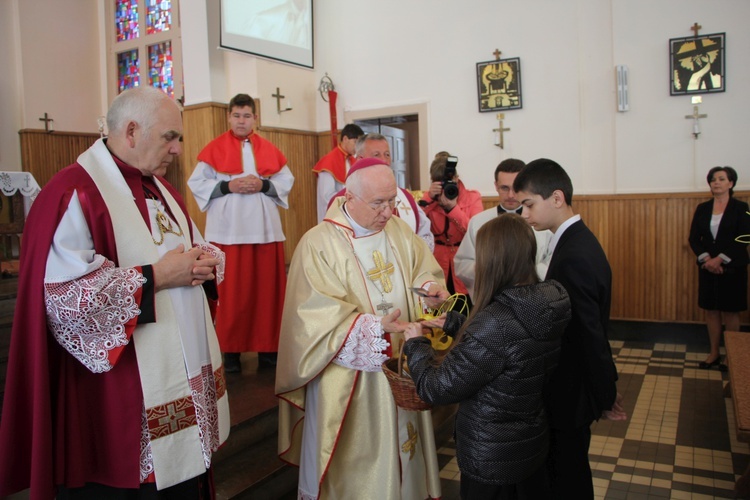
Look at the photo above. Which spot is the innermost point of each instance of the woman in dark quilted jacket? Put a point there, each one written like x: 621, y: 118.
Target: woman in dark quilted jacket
x: 497, y: 367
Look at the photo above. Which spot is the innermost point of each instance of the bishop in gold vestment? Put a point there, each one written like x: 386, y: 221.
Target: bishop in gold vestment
x: 338, y: 420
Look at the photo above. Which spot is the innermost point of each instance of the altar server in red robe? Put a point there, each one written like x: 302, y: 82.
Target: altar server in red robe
x: 241, y: 179
x: 332, y: 168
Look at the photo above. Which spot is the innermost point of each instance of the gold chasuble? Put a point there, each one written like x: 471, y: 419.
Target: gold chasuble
x: 339, y: 424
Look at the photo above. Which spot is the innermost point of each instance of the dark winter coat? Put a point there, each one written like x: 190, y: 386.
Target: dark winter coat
x: 497, y: 373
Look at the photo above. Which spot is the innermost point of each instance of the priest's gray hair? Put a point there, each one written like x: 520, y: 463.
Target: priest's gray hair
x: 134, y: 105
x: 359, y: 146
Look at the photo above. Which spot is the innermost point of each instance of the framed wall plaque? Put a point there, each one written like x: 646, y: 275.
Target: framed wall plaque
x: 499, y: 84
x: 696, y: 64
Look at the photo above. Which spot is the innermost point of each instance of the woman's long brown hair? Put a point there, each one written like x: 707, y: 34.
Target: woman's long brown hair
x: 505, y: 254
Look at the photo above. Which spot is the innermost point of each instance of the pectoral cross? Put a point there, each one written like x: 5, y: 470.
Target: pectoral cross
x: 695, y: 117
x: 499, y: 137
x: 385, y: 307
x: 46, y: 121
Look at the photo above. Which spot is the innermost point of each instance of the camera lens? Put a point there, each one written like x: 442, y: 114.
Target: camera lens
x: 450, y: 190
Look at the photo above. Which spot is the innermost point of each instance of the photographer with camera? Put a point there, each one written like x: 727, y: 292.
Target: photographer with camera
x: 449, y: 205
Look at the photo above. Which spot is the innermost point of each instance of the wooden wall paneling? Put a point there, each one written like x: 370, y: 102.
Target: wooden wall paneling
x: 43, y: 154
x: 666, y: 248
x: 644, y: 235
x: 201, y: 124
x: 301, y: 151
x: 654, y: 276
x: 324, y: 144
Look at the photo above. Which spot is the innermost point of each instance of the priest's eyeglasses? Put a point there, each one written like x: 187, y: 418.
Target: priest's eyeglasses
x: 379, y: 208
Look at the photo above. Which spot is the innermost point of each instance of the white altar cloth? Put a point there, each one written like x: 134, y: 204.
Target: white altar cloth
x: 23, y: 182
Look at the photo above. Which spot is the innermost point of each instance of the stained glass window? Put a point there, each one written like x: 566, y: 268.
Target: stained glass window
x: 160, y: 67
x: 139, y: 44
x: 126, y: 19
x: 127, y: 69
x: 158, y: 16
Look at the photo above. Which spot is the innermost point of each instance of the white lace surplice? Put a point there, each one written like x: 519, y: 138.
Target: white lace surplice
x: 89, y: 301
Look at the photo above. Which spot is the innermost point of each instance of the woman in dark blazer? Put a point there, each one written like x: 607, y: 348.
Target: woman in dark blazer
x: 722, y: 278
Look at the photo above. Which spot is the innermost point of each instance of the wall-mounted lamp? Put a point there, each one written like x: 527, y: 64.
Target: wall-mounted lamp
x: 279, y: 97
x: 623, y: 102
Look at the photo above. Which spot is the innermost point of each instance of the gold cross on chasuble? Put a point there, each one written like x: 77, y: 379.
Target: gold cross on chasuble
x: 381, y: 272
x: 402, y: 205
x: 410, y: 445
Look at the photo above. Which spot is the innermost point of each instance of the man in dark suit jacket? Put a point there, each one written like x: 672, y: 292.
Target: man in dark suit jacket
x: 582, y: 389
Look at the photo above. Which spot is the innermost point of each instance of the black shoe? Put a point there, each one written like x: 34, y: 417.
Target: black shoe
x: 707, y: 366
x: 267, y: 359
x: 232, y: 362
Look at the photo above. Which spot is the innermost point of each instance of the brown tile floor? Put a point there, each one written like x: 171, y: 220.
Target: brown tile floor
x: 679, y: 441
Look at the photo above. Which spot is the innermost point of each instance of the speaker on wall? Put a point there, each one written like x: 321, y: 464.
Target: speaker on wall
x: 623, y: 102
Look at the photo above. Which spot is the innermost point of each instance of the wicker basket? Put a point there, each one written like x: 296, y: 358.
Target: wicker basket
x: 402, y: 386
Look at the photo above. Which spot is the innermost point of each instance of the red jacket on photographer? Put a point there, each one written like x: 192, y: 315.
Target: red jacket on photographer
x: 449, y: 218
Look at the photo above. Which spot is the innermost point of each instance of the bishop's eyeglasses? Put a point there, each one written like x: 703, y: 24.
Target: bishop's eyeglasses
x: 379, y: 208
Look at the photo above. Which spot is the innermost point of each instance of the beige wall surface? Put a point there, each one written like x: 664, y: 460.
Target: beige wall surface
x: 424, y: 53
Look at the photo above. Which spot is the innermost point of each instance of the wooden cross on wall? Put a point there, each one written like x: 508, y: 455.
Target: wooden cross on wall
x: 46, y: 121
x: 500, y: 136
x: 695, y: 29
x: 497, y: 54
x: 278, y: 98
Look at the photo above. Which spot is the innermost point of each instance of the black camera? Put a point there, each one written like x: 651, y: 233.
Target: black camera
x: 450, y: 187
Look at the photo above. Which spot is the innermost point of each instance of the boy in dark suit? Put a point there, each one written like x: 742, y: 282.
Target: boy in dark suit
x: 582, y: 389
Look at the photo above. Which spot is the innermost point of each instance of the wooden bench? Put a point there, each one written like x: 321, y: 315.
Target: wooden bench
x: 737, y: 345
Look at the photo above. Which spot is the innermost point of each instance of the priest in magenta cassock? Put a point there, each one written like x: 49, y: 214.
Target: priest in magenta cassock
x: 114, y: 378
x: 347, y: 302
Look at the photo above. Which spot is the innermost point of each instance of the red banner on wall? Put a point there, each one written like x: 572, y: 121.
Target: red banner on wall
x: 332, y: 108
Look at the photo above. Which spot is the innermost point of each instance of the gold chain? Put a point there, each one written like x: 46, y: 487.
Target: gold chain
x: 164, y: 224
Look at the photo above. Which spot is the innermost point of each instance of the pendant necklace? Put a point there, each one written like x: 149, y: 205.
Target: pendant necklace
x: 163, y: 223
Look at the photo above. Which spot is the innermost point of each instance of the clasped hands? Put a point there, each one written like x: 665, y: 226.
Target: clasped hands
x: 250, y: 184
x: 713, y: 265
x: 180, y: 268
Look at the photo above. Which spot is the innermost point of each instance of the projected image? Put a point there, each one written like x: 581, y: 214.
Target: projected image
x: 278, y: 29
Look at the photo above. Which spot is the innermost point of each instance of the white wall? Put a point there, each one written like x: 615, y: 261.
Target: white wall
x: 51, y: 64
x: 424, y: 52
x: 60, y: 49
x: 655, y: 148
x: 10, y: 88
x: 398, y: 53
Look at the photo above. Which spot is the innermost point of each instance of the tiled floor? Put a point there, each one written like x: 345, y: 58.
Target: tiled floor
x: 679, y: 440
